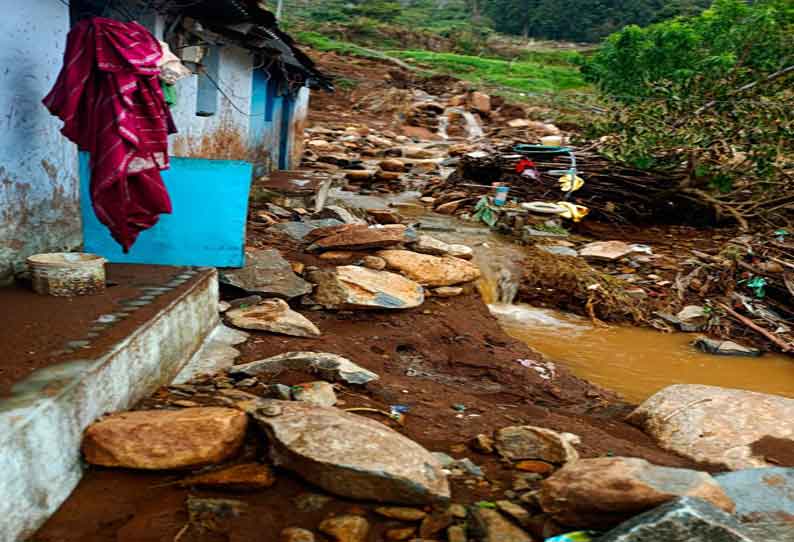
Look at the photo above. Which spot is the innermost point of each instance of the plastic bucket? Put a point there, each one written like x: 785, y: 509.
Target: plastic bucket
x: 67, y: 274
x: 501, y: 195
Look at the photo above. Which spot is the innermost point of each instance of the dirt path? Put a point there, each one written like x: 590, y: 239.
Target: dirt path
x: 448, y: 362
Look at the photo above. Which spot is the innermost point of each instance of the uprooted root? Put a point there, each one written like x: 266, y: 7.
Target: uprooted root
x: 571, y: 284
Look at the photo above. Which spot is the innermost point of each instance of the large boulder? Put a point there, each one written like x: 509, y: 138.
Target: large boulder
x: 715, y: 425
x: 354, y: 287
x: 529, y: 442
x: 266, y: 273
x: 363, y: 238
x: 681, y: 520
x: 273, y: 315
x: 165, y: 439
x: 430, y: 270
x: 349, y: 455
x: 602, y: 492
x: 327, y: 366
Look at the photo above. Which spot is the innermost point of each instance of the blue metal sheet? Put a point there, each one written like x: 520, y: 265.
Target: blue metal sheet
x: 206, y: 228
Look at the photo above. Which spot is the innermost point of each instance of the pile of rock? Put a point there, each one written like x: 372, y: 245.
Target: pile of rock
x: 383, y: 271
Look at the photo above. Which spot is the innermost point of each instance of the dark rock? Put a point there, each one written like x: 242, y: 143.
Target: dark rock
x: 683, y: 520
x: 724, y: 348
x: 267, y: 273
x: 299, y: 230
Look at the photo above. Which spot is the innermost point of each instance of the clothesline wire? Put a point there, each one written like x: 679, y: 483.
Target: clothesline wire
x: 228, y: 99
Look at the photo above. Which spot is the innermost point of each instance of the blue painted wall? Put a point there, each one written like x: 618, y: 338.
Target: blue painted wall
x: 206, y: 228
x: 39, y: 187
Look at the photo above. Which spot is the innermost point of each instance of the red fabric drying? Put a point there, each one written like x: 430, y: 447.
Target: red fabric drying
x: 109, y: 98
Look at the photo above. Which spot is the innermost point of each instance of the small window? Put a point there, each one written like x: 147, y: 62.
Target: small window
x: 207, y: 92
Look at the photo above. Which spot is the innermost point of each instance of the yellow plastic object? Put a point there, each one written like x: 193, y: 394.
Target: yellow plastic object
x: 573, y: 211
x: 568, y: 184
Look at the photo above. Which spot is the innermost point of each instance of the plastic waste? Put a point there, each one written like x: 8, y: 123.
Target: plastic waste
x: 572, y: 211
x: 484, y: 213
x: 551, y: 141
x: 571, y: 183
x: 578, y: 536
x: 501, y: 195
x: 543, y: 207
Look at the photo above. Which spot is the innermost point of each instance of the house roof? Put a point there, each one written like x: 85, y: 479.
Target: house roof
x: 251, y: 26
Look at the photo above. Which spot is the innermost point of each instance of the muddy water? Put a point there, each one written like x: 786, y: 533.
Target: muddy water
x: 638, y: 362
x: 632, y: 361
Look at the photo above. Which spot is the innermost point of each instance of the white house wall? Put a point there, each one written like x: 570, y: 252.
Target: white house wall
x: 224, y: 135
x: 39, y: 188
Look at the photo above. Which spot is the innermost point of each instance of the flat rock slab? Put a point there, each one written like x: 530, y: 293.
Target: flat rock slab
x: 349, y: 455
x: 267, y: 273
x: 715, y: 425
x: 363, y: 237
x: 602, y: 492
x: 299, y: 230
x: 355, y: 287
x: 761, y: 495
x: 430, y: 270
x: 327, y: 366
x: 165, y: 439
x: 682, y: 520
x: 275, y: 316
x: 608, y: 250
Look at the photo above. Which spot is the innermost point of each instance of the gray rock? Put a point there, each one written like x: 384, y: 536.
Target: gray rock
x: 761, y: 495
x: 339, y: 213
x: 692, y: 318
x: 682, y: 520
x: 724, y: 348
x: 275, y: 210
x: 267, y: 273
x: 350, y: 455
x: 715, y: 425
x: 559, y: 250
x: 315, y: 393
x: 327, y: 366
x: 299, y: 230
x: 275, y: 316
x: 532, y: 232
x: 529, y: 442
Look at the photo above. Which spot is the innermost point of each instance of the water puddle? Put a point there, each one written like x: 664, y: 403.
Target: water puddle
x: 634, y: 362
x: 637, y: 362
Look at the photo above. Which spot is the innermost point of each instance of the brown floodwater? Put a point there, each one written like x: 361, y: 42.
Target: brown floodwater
x: 637, y: 362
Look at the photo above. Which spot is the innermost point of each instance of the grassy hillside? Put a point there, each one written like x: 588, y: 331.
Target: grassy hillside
x: 537, y: 72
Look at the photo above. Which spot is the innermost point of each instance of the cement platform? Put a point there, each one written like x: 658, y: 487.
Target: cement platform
x: 42, y: 421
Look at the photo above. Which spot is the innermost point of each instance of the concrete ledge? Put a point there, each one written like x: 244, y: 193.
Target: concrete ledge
x: 42, y: 423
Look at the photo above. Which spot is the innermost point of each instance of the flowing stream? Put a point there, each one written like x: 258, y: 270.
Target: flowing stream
x: 634, y: 362
x: 473, y: 128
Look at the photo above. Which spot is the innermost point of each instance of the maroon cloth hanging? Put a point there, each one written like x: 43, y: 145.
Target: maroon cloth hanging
x: 110, y: 100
